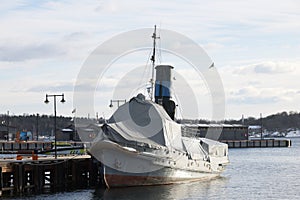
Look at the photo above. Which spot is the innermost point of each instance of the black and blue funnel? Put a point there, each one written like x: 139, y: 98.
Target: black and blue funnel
x: 162, y: 88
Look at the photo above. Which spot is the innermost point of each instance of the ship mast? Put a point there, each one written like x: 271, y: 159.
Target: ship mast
x: 153, y: 62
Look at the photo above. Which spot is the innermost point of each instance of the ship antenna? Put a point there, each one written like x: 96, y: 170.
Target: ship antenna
x: 153, y: 61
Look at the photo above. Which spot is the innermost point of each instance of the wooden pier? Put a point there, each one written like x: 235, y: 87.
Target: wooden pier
x: 47, y: 174
x: 29, y: 146
x: 258, y: 143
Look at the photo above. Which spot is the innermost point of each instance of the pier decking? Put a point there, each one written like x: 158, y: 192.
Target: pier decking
x: 28, y: 146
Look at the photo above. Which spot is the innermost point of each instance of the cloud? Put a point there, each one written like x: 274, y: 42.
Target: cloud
x: 107, y: 6
x: 77, y: 36
x: 213, y: 46
x: 58, y: 87
x: 273, y: 67
x: 255, y: 96
x: 268, y: 68
x: 253, y: 100
x: 22, y: 52
x: 261, y: 95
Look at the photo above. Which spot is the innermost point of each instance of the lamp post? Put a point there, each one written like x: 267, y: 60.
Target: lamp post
x: 37, y: 127
x: 47, y: 101
x: 261, y: 127
x: 7, y: 126
x: 118, y: 101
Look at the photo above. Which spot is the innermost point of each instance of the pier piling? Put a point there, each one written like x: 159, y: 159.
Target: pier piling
x: 27, y: 176
x: 264, y: 143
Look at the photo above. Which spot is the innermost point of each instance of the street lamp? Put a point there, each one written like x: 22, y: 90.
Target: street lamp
x: 118, y: 101
x: 62, y: 101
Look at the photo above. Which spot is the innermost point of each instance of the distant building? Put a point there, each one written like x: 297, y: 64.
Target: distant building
x: 217, y: 131
x: 7, y: 133
x: 68, y: 134
x: 255, y: 131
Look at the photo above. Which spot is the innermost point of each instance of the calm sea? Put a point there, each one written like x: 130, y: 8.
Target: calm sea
x: 257, y: 173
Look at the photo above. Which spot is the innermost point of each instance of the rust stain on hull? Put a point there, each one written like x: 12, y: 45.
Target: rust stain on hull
x: 113, y: 180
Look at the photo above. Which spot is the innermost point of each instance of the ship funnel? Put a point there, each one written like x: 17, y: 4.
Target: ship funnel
x: 162, y: 88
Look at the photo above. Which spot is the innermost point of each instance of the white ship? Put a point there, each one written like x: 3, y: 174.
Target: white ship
x: 141, y: 144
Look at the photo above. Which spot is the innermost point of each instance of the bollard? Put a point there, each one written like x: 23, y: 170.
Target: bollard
x: 19, y: 157
x: 34, y: 156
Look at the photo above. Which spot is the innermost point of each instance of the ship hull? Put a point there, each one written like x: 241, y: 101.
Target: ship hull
x: 123, y: 167
x: 163, y: 176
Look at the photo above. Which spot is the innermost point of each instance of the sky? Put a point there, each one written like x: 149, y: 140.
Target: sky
x: 254, y: 45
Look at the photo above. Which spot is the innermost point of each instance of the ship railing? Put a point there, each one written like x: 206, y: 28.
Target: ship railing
x: 190, y: 132
x: 137, y: 145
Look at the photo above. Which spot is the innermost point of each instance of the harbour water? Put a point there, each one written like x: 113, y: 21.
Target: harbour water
x: 253, y: 173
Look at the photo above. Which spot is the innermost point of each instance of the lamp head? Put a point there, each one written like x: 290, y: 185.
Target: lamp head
x: 63, y: 100
x: 46, y: 101
x: 111, y: 104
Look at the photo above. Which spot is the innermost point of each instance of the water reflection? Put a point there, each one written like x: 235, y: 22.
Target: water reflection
x: 200, y: 189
